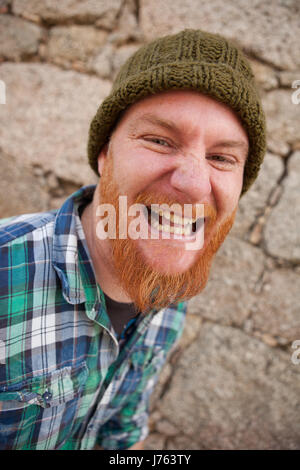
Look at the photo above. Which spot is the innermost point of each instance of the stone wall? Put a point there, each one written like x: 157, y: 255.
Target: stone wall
x: 231, y: 382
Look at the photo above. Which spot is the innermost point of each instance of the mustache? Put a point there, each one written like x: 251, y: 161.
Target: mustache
x: 148, y: 198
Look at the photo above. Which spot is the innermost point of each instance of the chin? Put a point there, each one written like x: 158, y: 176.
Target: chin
x: 171, y: 264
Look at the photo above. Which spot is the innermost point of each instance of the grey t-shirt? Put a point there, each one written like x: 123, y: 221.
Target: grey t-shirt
x: 120, y: 313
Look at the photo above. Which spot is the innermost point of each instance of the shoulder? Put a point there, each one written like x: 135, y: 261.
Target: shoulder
x: 167, y: 325
x: 17, y: 227
x: 23, y: 240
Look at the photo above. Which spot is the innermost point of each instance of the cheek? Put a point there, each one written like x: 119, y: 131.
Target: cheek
x: 135, y: 169
x: 227, y: 189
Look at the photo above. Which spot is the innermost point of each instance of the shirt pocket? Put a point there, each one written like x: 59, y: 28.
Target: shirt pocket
x: 40, y: 412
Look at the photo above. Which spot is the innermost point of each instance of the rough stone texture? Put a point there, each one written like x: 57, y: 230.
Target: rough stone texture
x: 155, y: 441
x: 287, y: 78
x: 121, y: 55
x: 230, y: 391
x: 127, y: 21
x: 62, y: 11
x: 18, y: 38
x: 4, y: 4
x: 233, y: 284
x: 277, y: 309
x: 107, y: 63
x: 163, y: 380
x: 283, y: 117
x: 180, y: 442
x: 268, y: 30
x: 101, y: 64
x: 282, y: 236
x: 252, y: 204
x: 74, y: 42
x: 15, y: 196
x: 192, y: 326
x: 265, y: 76
x: 47, y: 116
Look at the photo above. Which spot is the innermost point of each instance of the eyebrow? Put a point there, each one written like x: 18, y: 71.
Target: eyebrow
x: 171, y: 126
x: 152, y: 119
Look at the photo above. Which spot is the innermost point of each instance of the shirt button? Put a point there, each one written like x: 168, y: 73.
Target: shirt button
x: 47, y: 397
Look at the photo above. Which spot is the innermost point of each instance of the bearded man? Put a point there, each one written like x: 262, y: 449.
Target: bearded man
x: 90, y: 310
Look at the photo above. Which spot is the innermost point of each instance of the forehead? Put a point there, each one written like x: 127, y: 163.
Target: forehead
x: 188, y: 110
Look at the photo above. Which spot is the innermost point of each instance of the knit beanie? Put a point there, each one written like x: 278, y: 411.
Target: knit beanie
x: 190, y: 60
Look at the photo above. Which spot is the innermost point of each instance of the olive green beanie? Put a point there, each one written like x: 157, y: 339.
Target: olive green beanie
x: 195, y: 60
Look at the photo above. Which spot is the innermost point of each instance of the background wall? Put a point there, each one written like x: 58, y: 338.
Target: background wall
x: 232, y: 382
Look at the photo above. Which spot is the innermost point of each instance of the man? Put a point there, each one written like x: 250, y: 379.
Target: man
x: 89, y: 310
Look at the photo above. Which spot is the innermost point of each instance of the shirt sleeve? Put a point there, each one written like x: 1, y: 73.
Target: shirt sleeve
x: 130, y: 424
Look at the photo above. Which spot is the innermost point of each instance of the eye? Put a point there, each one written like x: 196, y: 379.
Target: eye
x: 221, y: 159
x: 158, y: 141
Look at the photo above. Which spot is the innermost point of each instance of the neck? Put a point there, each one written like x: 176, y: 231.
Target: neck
x: 100, y: 252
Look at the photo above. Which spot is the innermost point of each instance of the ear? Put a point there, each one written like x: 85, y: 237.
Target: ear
x: 102, y: 157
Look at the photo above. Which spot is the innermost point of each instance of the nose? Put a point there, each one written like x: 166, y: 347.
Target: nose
x: 192, y: 177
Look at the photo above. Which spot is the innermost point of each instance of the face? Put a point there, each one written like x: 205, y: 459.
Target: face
x: 174, y: 147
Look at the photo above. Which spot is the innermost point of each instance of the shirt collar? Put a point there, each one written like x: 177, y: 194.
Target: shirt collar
x: 68, y: 243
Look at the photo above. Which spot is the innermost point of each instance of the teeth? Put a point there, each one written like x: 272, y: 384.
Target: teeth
x: 180, y: 220
x: 178, y: 230
x: 177, y: 219
x: 167, y: 228
x: 188, y: 230
x: 167, y: 215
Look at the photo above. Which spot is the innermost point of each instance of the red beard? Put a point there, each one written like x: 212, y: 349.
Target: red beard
x: 146, y: 286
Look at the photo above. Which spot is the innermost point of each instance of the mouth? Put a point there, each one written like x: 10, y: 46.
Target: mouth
x: 161, y: 221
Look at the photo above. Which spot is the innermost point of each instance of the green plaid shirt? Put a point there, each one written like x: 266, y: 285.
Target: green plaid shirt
x: 65, y: 380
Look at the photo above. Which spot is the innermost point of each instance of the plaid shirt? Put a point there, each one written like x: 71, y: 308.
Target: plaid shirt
x: 65, y: 380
